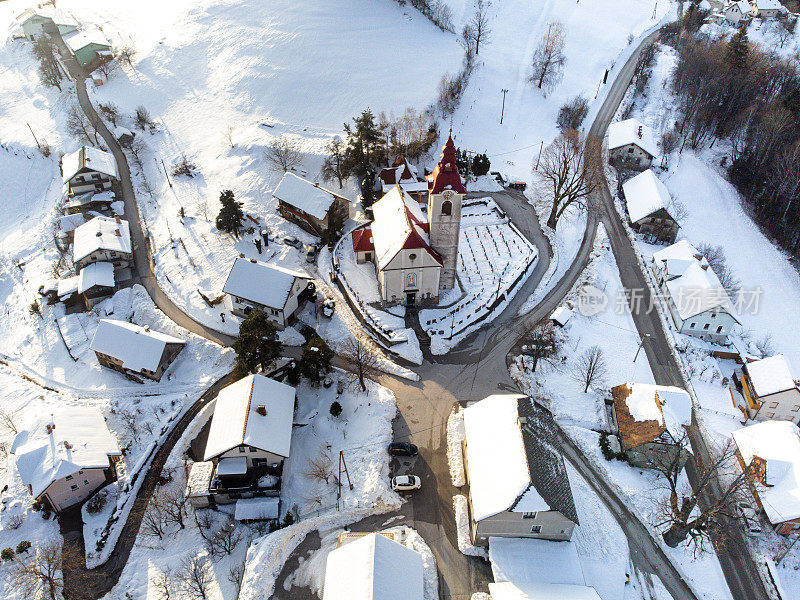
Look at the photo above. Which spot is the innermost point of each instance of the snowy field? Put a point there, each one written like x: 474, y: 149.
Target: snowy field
x: 494, y: 259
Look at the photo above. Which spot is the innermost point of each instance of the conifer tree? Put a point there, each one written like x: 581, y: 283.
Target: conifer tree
x: 257, y: 345
x: 738, y: 49
x: 315, y: 361
x: 230, y: 215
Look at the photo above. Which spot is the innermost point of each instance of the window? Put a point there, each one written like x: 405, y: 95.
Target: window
x: 773, y: 405
x: 770, y: 415
x: 253, y: 449
x: 796, y: 408
x: 705, y: 327
x: 630, y: 150
x: 68, y: 478
x: 796, y: 526
x: 412, y: 256
x: 529, y: 515
x: 447, y: 208
x: 719, y: 329
x: 536, y: 529
x: 691, y: 325
x: 85, y: 482
x: 368, y: 256
x: 73, y: 487
x: 242, y: 449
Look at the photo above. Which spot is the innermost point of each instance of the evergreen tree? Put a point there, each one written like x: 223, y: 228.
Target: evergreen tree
x: 462, y: 161
x: 336, y: 220
x: 366, y: 144
x: 480, y: 165
x: 257, y: 345
x: 315, y: 361
x: 368, y: 195
x: 738, y: 49
x: 230, y: 215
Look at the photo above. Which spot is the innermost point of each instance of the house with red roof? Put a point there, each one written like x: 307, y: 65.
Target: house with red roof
x: 404, y: 173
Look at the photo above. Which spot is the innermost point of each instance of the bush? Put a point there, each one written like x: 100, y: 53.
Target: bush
x: 142, y: 118
x: 288, y: 519
x: 96, y: 503
x: 7, y: 554
x: 184, y: 166
x: 23, y: 546
x: 336, y: 409
x: 572, y: 114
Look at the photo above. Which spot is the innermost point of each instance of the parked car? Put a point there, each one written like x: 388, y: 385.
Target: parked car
x: 328, y: 307
x: 406, y: 483
x: 402, y: 449
x: 290, y: 240
x: 749, y: 519
x: 498, y: 177
x: 518, y: 185
x: 311, y: 255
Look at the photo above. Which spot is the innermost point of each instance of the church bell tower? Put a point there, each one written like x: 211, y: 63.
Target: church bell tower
x: 445, y: 193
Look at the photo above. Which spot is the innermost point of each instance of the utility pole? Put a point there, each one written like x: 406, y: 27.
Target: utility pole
x: 467, y: 153
x: 34, y: 136
x: 641, y: 343
x: 654, y: 10
x: 503, y: 110
x: 165, y: 172
x: 342, y: 465
x: 541, y: 146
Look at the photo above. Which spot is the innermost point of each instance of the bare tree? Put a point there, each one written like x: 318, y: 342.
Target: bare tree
x: 79, y: 126
x: 479, y: 25
x: 126, y: 54
x: 225, y: 539
x: 173, y: 505
x: 235, y: 574
x: 572, y: 114
x: 321, y: 467
x: 721, y: 484
x: 195, y: 576
x: 155, y: 521
x: 715, y: 255
x: 49, y: 70
x: 333, y: 166
x: 668, y: 144
x: 163, y: 584
x: 784, y: 29
x: 590, y: 368
x: 8, y: 420
x: 107, y: 68
x: 549, y: 58
x: 541, y: 343
x: 764, y: 345
x: 360, y: 359
x: 110, y: 111
x: 283, y: 154
x: 567, y: 173
x: 142, y: 118
x: 40, y: 575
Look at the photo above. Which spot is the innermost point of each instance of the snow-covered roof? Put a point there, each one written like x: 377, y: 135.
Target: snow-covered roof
x: 494, y: 438
x: 59, y: 17
x: 199, y: 480
x: 399, y: 223
x: 778, y: 443
x: 628, y: 131
x: 87, y: 37
x: 644, y: 195
x: 692, y: 284
x: 96, y: 274
x: 561, y: 315
x: 257, y: 509
x: 525, y: 560
x: 408, y: 186
x: 265, y: 284
x: 238, y: 420
x: 137, y: 347
x: 373, y: 568
x: 769, y: 5
x: 770, y: 375
x: 669, y: 406
x: 232, y: 465
x: 101, y: 233
x: 80, y: 440
x: 305, y: 195
x: 743, y: 6
x: 70, y: 222
x: 89, y: 158
x: 506, y: 590
x: 67, y: 286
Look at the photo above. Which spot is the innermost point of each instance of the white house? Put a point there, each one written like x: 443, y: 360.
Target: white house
x: 631, y: 145
x: 274, y: 290
x: 772, y: 448
x: 737, y: 13
x: 769, y: 9
x: 103, y: 239
x: 132, y: 349
x: 96, y: 282
x: 647, y: 199
x: 765, y: 390
x: 88, y: 169
x: 698, y: 303
x: 308, y: 204
x: 36, y: 22
x: 373, y: 567
x: 64, y: 460
x: 518, y: 482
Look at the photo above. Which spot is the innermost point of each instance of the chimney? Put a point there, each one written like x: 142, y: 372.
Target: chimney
x: 147, y: 328
x: 253, y: 260
x: 241, y: 256
x: 262, y: 410
x: 116, y: 218
x: 99, y: 234
x: 117, y: 233
x: 698, y: 256
x: 67, y: 445
x: 704, y: 267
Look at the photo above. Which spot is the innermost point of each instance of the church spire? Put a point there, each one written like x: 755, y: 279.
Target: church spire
x: 445, y: 175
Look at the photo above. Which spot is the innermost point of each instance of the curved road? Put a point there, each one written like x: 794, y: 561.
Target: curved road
x: 470, y: 373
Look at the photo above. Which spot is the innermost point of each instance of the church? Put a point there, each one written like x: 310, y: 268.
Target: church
x: 415, y: 256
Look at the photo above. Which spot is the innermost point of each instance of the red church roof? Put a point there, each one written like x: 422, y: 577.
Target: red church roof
x: 389, y: 175
x: 362, y: 240
x: 445, y: 176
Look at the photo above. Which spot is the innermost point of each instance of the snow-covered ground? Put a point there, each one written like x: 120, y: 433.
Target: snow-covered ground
x: 494, y: 259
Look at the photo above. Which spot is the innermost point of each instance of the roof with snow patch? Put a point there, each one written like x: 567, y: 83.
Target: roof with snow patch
x: 87, y: 157
x: 644, y: 195
x: 632, y: 131
x: 101, y: 233
x: 306, y: 195
x: 96, y: 274
x: 87, y: 37
x: 777, y: 443
x: 237, y: 420
x: 770, y: 375
x: 399, y: 224
x: 362, y: 240
x: 80, y: 440
x: 265, y: 284
x: 645, y: 412
x: 374, y: 568
x: 137, y: 347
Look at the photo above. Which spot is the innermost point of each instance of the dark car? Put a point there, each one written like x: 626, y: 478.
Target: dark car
x: 402, y: 449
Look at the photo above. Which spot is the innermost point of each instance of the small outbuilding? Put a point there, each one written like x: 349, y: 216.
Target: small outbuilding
x: 132, y: 349
x: 308, y: 204
x: 65, y: 459
x: 96, y: 283
x: 631, y: 145
x: 37, y: 22
x: 647, y: 199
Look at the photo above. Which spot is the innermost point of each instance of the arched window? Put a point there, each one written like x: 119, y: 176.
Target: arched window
x: 447, y: 207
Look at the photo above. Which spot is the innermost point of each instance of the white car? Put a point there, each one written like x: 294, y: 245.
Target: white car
x: 406, y: 483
